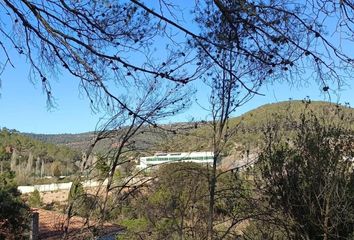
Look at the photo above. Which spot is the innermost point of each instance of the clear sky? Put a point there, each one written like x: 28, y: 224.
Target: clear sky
x: 23, y: 104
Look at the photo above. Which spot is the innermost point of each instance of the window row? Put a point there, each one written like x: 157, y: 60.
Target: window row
x: 178, y: 158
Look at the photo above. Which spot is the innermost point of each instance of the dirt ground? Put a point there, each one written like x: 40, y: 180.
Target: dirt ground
x: 55, y: 196
x: 61, y: 196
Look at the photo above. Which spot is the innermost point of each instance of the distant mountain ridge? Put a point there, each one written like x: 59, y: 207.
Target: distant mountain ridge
x: 77, y: 141
x: 51, y: 154
x: 253, y: 119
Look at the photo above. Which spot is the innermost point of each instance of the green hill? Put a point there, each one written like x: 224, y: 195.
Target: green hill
x: 76, y: 141
x: 34, y: 155
x: 31, y: 158
x: 248, y: 128
x: 196, y: 136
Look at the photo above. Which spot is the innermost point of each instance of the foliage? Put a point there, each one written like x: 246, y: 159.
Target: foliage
x: 239, y: 46
x: 271, y: 38
x: 134, y: 228
x: 310, y: 180
x: 56, y: 169
x: 249, y: 134
x: 175, y: 205
x: 250, y: 125
x: 14, y: 213
x: 34, y: 199
x: 101, y: 167
x: 259, y: 230
x: 81, y: 203
x: 76, y: 191
x: 31, y: 159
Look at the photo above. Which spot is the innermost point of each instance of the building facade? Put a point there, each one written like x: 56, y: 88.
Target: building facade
x: 160, y: 158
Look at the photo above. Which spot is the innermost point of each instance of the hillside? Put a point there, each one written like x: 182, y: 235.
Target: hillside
x: 34, y: 155
x: 76, y: 141
x: 31, y: 158
x: 248, y: 128
x: 197, y: 135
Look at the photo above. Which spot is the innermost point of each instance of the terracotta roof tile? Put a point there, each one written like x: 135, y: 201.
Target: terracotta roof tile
x: 51, y: 226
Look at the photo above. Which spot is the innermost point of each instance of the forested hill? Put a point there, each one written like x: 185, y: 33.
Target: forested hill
x: 23, y: 142
x: 77, y: 141
x: 31, y: 158
x: 248, y: 133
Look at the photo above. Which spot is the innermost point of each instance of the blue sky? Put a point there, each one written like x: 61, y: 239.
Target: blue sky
x: 23, y: 104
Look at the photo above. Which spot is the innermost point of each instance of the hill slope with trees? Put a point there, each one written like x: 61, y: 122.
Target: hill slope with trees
x: 195, y: 136
x: 31, y: 158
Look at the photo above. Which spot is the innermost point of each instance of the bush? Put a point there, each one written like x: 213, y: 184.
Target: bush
x: 34, y: 199
x: 14, y: 213
x: 82, y: 203
x: 134, y: 228
x: 309, y: 180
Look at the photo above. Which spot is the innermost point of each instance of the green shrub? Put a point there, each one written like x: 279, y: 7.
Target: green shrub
x: 34, y: 199
x: 14, y: 213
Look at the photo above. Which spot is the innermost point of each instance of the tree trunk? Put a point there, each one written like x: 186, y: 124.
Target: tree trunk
x: 29, y: 163
x: 326, y: 221
x: 181, y: 227
x: 212, y: 186
x: 13, y: 161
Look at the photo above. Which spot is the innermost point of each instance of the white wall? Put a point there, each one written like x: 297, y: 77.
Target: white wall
x: 56, y: 186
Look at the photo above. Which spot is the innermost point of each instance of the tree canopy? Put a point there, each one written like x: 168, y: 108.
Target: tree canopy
x: 309, y: 179
x: 113, y: 44
x: 136, y: 60
x: 14, y: 213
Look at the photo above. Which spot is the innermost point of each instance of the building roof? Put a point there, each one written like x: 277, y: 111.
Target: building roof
x: 51, y: 227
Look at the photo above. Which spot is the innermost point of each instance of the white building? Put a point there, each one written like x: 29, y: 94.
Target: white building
x: 159, y: 158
